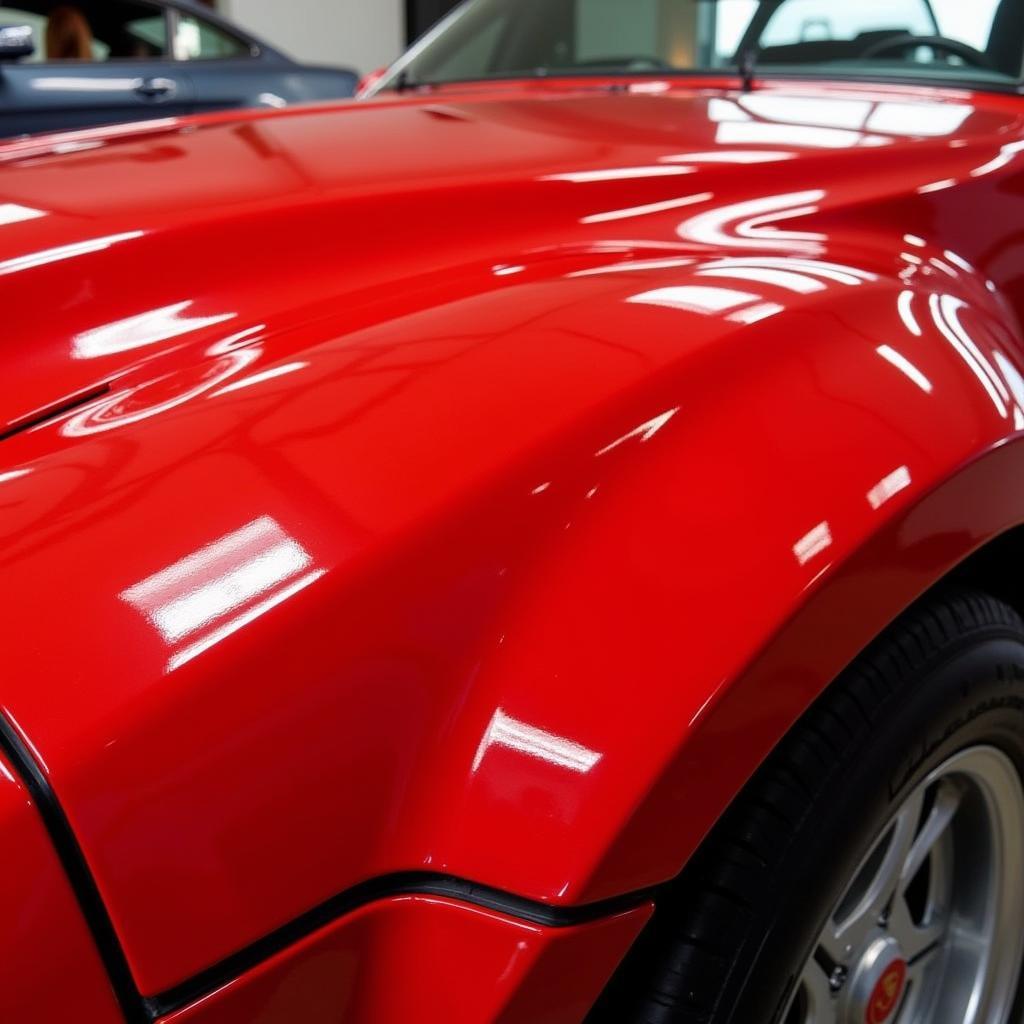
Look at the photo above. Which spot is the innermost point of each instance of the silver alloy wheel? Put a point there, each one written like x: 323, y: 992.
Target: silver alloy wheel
x: 931, y: 928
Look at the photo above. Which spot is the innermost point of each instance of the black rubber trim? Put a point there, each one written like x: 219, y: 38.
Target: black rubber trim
x: 133, y: 1006
x: 138, y: 1009
x: 55, y: 411
x: 385, y: 887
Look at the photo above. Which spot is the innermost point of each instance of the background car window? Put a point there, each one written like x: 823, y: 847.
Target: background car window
x: 199, y: 40
x: 97, y: 31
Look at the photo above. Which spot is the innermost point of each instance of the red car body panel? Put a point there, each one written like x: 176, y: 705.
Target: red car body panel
x: 51, y: 969
x: 369, y: 967
x: 493, y: 518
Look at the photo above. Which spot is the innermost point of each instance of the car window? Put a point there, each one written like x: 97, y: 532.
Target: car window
x: 812, y: 21
x: 197, y: 39
x: 982, y: 40
x: 93, y: 31
x: 971, y: 22
x: 599, y: 34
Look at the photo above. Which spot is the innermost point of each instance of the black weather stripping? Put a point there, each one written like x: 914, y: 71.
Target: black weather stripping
x: 139, y: 1009
x: 55, y: 411
x: 385, y: 887
x: 73, y: 861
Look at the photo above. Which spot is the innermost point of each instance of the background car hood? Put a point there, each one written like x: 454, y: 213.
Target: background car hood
x: 343, y: 355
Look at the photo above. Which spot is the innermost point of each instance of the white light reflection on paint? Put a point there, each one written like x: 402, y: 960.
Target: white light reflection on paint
x: 931, y: 120
x: 958, y: 261
x: 906, y: 367
x: 788, y: 280
x: 905, y: 305
x: 754, y: 133
x: 259, y: 378
x: 236, y: 341
x: 64, y: 252
x: 508, y: 732
x: 755, y: 314
x: 634, y: 266
x: 145, y: 329
x: 644, y: 432
x: 694, y: 298
x: 937, y: 186
x: 726, y: 111
x: 838, y: 272
x: 1005, y: 157
x: 128, y: 406
x: 751, y: 224
x: 649, y: 208
x: 945, y: 310
x: 14, y: 474
x: 813, y: 543
x: 619, y: 174
x: 15, y: 213
x: 214, y: 592
x: 944, y: 268
x: 887, y: 489
x: 732, y: 156
x: 1015, y: 382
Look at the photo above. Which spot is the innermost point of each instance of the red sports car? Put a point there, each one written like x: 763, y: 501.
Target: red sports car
x: 542, y: 544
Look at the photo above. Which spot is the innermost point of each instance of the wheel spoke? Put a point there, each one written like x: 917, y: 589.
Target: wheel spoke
x: 822, y: 1003
x: 915, y: 940
x: 941, y: 889
x: 948, y: 797
x: 877, y: 883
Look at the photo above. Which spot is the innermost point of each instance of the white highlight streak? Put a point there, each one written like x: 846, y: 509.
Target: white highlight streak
x: 505, y: 731
x: 887, y: 489
x: 906, y: 367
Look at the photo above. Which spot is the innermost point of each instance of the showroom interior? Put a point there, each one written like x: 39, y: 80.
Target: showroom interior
x: 362, y: 34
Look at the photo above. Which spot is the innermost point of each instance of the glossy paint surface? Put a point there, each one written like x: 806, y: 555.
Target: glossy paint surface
x: 482, y: 968
x: 51, y: 971
x: 480, y: 473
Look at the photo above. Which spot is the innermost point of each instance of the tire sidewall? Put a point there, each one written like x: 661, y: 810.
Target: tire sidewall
x: 972, y: 696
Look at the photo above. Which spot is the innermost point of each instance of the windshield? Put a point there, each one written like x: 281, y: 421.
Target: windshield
x: 978, y: 42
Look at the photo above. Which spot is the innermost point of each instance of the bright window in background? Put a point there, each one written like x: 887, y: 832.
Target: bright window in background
x: 199, y: 40
x: 967, y: 20
x: 806, y: 21
x: 732, y: 19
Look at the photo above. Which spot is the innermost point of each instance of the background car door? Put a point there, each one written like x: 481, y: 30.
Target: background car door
x: 96, y: 62
x: 227, y: 71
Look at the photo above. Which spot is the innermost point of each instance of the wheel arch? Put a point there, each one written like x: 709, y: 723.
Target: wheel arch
x: 831, y: 517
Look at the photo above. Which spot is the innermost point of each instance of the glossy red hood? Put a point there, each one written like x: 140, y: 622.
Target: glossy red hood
x: 345, y: 355
x: 258, y: 223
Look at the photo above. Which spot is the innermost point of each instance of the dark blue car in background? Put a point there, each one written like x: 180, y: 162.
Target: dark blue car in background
x: 74, y: 65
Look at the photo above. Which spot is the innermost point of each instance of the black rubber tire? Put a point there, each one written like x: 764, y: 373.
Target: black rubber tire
x: 730, y: 935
